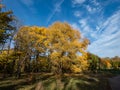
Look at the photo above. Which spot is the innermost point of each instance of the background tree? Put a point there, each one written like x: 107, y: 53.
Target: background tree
x: 7, y: 32
x: 9, y: 25
x: 6, y: 25
x: 29, y: 41
x: 94, y: 62
x: 106, y: 63
x: 115, y: 62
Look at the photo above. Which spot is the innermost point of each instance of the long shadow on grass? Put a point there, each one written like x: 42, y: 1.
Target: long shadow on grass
x: 12, y: 85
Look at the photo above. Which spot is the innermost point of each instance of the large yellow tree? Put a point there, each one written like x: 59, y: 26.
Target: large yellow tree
x: 67, y: 49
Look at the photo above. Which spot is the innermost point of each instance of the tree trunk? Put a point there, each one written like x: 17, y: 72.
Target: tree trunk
x: 37, y: 56
x: 4, y: 71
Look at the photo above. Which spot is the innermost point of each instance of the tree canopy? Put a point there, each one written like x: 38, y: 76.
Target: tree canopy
x: 6, y: 27
x: 60, y: 44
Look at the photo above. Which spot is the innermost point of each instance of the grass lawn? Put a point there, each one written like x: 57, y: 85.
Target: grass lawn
x: 47, y: 81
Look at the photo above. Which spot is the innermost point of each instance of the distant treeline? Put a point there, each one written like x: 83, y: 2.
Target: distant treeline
x: 97, y: 63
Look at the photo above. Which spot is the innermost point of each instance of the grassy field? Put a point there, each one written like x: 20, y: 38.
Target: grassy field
x: 51, y: 82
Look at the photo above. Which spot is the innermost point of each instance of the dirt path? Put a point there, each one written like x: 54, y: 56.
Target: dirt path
x: 114, y: 83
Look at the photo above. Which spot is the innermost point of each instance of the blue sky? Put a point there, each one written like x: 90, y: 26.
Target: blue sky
x: 98, y: 20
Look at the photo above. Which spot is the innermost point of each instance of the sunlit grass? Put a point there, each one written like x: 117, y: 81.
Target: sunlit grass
x: 51, y: 82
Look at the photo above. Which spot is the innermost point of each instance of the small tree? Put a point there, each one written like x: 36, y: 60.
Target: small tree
x: 94, y: 62
x: 8, y: 28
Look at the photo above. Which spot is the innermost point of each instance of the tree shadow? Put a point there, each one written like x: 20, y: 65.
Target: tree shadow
x: 51, y: 82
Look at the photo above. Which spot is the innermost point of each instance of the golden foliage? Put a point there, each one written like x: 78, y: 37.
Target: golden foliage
x: 59, y: 41
x: 64, y: 43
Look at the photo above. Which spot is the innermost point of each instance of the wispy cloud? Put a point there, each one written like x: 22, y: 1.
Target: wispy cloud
x: 78, y: 1
x: 55, y: 10
x: 95, y: 2
x: 85, y: 28
x: 90, y: 9
x: 93, y: 9
x: 75, y: 26
x: 108, y: 38
x: 105, y: 37
x: 77, y: 13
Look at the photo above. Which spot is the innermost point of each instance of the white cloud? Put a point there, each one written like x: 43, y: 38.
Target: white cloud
x: 75, y: 26
x: 55, y: 10
x: 90, y: 9
x: 83, y: 23
x: 78, y: 1
x: 85, y: 28
x: 95, y: 2
x: 108, y: 38
x: 94, y: 7
x: 77, y: 13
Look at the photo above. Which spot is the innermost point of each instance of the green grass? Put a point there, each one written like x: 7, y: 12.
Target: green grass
x: 51, y: 82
